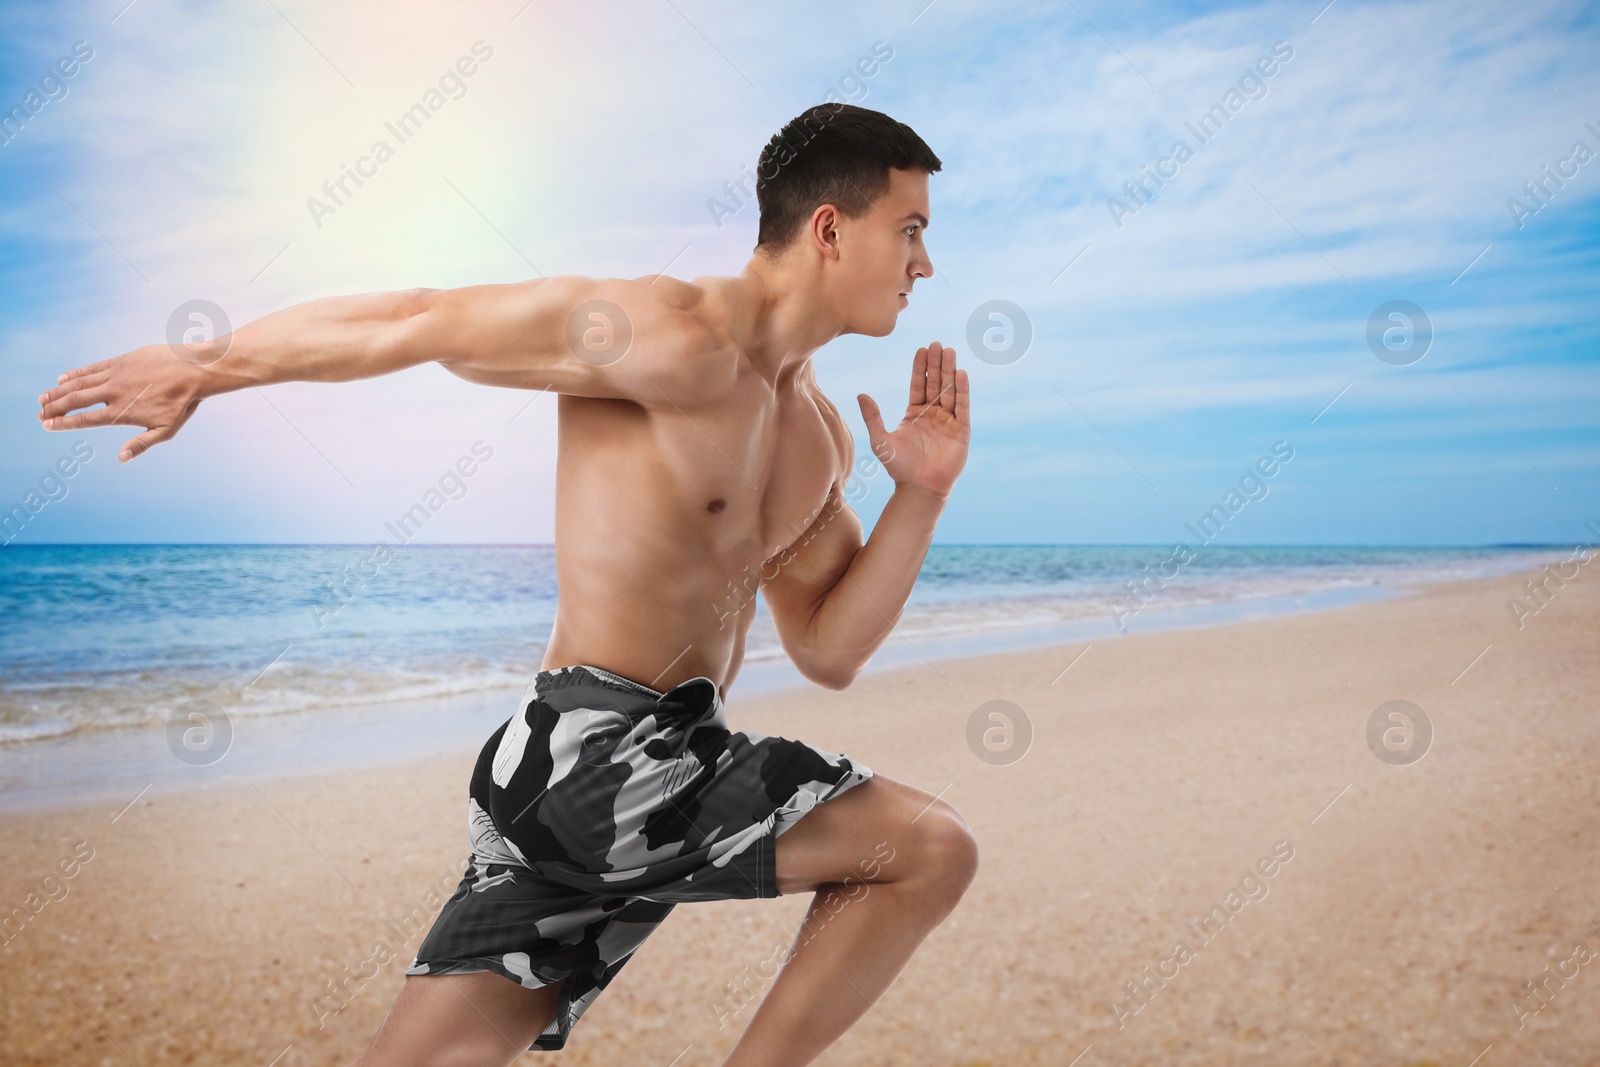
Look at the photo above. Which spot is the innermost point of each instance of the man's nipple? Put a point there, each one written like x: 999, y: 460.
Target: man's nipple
x: 716, y: 506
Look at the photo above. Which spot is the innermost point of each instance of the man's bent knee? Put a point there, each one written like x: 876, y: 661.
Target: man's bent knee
x: 880, y: 831
x: 947, y: 851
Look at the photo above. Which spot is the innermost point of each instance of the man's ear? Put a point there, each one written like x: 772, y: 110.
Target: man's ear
x: 824, y: 230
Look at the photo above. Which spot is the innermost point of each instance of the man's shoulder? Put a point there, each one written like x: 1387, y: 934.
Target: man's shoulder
x: 688, y: 322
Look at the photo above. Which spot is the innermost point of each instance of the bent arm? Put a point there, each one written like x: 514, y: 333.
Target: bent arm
x: 835, y: 600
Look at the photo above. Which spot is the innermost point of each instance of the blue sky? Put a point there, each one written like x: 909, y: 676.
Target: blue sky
x: 1168, y: 353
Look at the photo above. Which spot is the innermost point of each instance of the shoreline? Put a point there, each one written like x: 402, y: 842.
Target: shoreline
x: 974, y: 599
x: 121, y: 762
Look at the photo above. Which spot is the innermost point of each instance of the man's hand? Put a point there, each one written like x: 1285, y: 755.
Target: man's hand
x: 929, y: 447
x: 149, y: 387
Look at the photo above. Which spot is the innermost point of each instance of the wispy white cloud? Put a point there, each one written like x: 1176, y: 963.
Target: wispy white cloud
x: 1377, y: 164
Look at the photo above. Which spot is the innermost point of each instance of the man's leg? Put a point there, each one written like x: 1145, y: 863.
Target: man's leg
x: 844, y: 957
x: 460, y: 1020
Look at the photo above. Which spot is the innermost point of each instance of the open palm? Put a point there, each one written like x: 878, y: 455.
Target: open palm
x: 929, y: 447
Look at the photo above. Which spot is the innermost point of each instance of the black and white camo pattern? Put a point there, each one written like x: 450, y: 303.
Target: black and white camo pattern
x: 597, y: 808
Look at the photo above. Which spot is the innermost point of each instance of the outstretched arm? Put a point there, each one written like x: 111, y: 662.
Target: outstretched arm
x: 834, y: 600
x: 591, y: 337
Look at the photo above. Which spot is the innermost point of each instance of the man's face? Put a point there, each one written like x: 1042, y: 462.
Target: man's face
x: 881, y: 254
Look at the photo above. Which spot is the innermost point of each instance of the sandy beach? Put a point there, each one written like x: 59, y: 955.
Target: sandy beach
x: 1381, y: 911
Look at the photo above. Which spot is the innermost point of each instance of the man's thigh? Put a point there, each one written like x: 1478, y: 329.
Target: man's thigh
x: 879, y: 831
x: 478, y: 1018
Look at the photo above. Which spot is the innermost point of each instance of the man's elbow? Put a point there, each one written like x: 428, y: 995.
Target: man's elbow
x: 409, y: 332
x: 831, y: 674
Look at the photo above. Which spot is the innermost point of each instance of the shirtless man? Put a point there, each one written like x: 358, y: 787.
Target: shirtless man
x: 698, y: 460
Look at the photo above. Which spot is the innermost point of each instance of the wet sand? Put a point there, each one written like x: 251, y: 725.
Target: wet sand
x: 207, y: 926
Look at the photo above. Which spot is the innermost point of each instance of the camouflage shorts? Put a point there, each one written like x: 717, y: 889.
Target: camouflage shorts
x: 597, y: 808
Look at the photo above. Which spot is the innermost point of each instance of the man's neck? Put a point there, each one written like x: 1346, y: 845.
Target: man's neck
x: 784, y: 314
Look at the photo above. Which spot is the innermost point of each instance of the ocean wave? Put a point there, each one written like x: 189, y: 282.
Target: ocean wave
x: 429, y: 638
x: 44, y: 711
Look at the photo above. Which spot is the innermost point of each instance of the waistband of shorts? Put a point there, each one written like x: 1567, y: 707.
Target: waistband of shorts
x: 613, y: 680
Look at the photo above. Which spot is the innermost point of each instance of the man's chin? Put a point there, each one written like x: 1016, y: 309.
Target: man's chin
x: 879, y: 328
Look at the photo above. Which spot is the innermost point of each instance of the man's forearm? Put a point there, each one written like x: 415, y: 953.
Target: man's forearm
x: 333, y: 339
x: 861, y: 610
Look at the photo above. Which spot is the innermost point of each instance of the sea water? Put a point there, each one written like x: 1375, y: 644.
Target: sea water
x: 100, y: 637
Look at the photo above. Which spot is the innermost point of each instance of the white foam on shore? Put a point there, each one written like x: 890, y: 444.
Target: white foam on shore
x: 303, y: 720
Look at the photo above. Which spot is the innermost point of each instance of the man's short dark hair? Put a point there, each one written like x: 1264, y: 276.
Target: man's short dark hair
x: 837, y: 154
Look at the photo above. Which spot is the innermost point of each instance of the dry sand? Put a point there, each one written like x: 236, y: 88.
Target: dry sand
x: 1418, y: 901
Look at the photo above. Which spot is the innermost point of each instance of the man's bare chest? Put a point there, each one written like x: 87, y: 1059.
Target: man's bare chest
x: 773, y: 473
x: 749, y: 474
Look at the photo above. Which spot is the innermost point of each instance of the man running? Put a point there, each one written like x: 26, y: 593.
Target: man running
x: 698, y: 462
